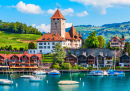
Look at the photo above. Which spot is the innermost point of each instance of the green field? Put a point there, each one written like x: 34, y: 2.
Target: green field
x: 17, y: 40
x: 6, y: 52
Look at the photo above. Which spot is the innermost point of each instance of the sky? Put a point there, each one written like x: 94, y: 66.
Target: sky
x: 37, y: 13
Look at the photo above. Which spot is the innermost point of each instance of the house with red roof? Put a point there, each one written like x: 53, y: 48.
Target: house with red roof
x: 20, y: 61
x: 117, y: 42
x: 46, y: 43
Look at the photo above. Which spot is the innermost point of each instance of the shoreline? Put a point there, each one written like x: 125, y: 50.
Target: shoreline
x: 61, y: 71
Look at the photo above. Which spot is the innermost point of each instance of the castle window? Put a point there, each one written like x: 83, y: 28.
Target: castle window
x: 40, y: 43
x: 48, y: 43
x: 40, y: 50
x: 55, y: 23
x: 53, y: 38
x: 45, y: 43
x: 53, y: 19
x: 43, y: 38
x: 53, y: 43
x: 48, y: 47
x: 58, y: 19
x: 44, y: 47
x: 48, y: 39
x: 40, y: 47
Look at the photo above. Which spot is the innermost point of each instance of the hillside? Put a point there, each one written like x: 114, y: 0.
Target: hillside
x: 106, y: 30
x: 17, y: 40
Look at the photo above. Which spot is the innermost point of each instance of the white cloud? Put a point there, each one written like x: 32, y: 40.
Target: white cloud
x: 68, y: 11
x: 28, y: 8
x: 101, y: 5
x: 67, y: 25
x: 33, y: 25
x: 84, y: 13
x: 46, y: 28
x: 43, y: 28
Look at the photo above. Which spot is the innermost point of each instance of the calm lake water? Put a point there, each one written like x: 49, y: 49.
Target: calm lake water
x: 49, y: 83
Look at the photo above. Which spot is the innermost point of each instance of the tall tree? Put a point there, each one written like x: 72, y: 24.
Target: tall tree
x: 59, y: 54
x: 31, y: 45
x: 92, y: 40
x: 126, y: 46
x: 101, y: 41
x: 108, y: 45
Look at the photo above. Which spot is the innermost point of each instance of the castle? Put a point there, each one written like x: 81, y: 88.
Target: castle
x: 46, y: 43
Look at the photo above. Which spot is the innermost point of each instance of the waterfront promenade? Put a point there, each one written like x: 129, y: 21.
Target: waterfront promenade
x: 61, y: 71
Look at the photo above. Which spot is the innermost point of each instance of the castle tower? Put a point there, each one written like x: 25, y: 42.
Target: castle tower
x: 58, y: 23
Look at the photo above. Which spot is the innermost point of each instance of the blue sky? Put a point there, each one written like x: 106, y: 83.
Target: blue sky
x: 79, y: 12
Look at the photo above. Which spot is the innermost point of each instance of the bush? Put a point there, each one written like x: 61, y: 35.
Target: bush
x: 117, y: 67
x: 82, y: 68
x: 55, y: 66
x: 21, y: 49
x: 125, y: 68
x: 90, y: 68
x: 15, y: 49
x: 67, y: 66
x: 105, y: 68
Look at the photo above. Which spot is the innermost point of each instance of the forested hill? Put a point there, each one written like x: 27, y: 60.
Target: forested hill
x: 18, y: 27
x: 106, y: 30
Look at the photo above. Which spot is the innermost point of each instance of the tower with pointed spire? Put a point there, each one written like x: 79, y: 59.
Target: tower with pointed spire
x: 58, y: 23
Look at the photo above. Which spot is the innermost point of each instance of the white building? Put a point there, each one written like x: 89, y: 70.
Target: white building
x: 58, y: 34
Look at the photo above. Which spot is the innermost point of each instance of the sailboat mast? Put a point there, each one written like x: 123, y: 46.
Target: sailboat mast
x: 115, y: 60
x: 97, y: 62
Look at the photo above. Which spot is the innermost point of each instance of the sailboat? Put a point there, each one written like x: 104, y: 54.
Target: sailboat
x: 68, y: 82
x: 114, y: 72
x: 98, y: 72
x: 6, y: 81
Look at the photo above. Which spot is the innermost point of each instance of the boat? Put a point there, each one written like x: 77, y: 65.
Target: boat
x: 54, y: 72
x: 39, y: 72
x: 26, y: 76
x: 67, y: 82
x: 35, y: 79
x: 6, y: 82
x: 95, y: 73
x: 115, y: 73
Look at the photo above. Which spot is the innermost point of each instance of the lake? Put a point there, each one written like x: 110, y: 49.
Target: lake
x: 86, y: 83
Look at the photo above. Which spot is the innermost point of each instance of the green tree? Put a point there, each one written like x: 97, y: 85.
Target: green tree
x: 67, y: 66
x: 92, y: 40
x: 101, y: 41
x: 10, y: 47
x: 59, y: 54
x: 6, y: 47
x: 31, y: 45
x: 15, y: 49
x: 108, y: 45
x: 126, y: 46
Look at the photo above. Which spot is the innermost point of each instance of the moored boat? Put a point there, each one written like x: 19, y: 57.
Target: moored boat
x: 26, y: 76
x: 54, y: 72
x: 35, y: 79
x: 39, y: 72
x: 6, y: 82
x: 67, y: 82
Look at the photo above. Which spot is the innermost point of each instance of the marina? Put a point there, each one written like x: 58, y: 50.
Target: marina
x: 49, y: 82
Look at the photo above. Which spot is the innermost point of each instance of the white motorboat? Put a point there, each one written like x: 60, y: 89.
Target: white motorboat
x: 26, y: 76
x: 35, y: 79
x: 67, y: 82
x: 54, y: 72
x: 6, y: 82
x: 39, y: 72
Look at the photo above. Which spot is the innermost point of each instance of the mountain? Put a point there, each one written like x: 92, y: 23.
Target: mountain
x: 106, y: 30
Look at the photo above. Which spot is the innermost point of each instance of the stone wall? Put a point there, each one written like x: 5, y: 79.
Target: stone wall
x: 95, y: 52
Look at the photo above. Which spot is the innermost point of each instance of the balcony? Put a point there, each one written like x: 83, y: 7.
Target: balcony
x: 1, y: 61
x: 90, y: 62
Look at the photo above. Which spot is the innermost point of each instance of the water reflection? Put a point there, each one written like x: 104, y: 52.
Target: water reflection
x: 68, y: 87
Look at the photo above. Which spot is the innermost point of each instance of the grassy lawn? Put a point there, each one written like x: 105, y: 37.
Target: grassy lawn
x: 6, y: 52
x: 47, y: 58
x: 17, y: 40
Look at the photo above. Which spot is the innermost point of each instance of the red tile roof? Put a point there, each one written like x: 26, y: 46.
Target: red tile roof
x: 51, y: 37
x: 117, y: 37
x: 57, y: 15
